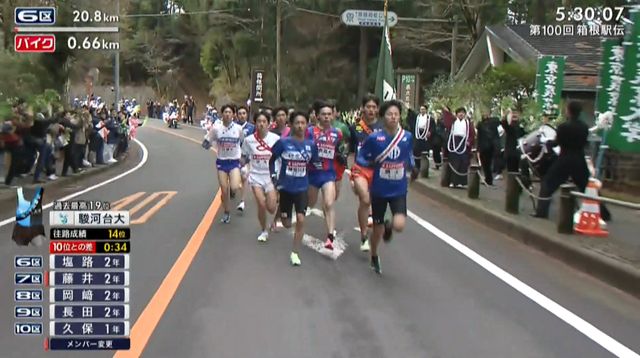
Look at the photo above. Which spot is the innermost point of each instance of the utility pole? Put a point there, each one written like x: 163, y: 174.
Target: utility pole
x: 117, y: 64
x: 278, y: 32
x: 454, y: 36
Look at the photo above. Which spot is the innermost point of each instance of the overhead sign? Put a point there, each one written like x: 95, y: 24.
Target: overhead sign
x: 368, y: 18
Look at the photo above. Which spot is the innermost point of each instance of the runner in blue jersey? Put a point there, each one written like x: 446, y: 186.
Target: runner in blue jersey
x: 295, y: 153
x: 247, y: 129
x: 322, y: 173
x: 389, y: 154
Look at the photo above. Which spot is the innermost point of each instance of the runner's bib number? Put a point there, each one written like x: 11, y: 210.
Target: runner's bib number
x: 392, y: 173
x: 326, y: 151
x: 297, y: 171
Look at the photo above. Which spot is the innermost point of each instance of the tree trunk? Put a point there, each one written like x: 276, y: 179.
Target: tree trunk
x: 362, y: 64
x: 225, y: 64
x: 539, y: 16
x: 7, y: 14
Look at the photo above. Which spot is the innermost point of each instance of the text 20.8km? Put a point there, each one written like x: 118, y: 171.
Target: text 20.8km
x: 97, y: 16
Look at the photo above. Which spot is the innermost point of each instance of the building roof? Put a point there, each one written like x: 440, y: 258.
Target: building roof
x: 583, y: 53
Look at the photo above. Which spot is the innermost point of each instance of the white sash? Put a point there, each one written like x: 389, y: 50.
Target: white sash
x: 394, y: 143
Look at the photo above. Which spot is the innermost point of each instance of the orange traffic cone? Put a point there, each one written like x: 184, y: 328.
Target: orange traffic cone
x: 589, y: 223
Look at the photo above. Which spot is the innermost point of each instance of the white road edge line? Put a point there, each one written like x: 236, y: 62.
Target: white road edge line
x: 584, y: 327
x: 145, y: 157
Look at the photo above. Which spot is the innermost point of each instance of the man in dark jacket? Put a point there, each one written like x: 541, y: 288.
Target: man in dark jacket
x: 488, y: 144
x: 572, y: 137
x: 39, y: 140
x: 512, y: 131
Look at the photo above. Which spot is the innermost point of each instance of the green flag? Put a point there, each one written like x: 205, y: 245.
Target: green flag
x: 624, y: 135
x: 549, y: 84
x: 385, y: 79
x: 610, y: 76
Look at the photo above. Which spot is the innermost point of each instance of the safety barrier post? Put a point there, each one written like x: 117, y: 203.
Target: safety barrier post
x: 445, y: 174
x: 424, y: 165
x: 473, y: 190
x: 567, y: 208
x: 512, y: 202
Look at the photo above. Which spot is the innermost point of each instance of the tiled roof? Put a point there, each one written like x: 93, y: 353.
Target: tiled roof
x: 583, y: 53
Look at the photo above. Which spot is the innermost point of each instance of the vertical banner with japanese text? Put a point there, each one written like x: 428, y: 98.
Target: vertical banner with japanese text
x: 625, y: 132
x: 408, y: 89
x: 610, y: 76
x: 257, y: 86
x: 549, y: 84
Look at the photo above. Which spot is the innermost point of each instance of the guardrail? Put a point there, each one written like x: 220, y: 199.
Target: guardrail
x: 604, y: 199
x: 514, y: 187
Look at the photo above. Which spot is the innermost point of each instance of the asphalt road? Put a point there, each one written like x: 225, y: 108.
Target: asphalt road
x: 450, y: 287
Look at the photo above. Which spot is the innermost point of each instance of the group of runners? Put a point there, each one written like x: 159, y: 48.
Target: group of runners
x: 289, y: 160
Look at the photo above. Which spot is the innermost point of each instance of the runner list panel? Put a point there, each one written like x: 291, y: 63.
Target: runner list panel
x: 88, y: 279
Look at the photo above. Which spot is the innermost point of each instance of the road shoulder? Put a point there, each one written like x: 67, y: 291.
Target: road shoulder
x: 589, y: 255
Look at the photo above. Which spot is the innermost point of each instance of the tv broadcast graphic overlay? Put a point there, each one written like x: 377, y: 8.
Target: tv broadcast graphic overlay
x: 28, y: 292
x: 88, y: 277
x: 28, y: 295
x: 36, y: 27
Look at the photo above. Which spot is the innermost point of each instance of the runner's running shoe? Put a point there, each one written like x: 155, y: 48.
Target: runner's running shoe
x: 226, y: 218
x: 295, y: 260
x: 263, y: 236
x: 241, y: 206
x: 388, y: 231
x: 364, y: 244
x: 375, y: 265
x: 273, y: 227
x: 328, y: 244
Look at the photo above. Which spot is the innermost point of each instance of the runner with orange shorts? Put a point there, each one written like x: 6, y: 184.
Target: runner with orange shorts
x: 361, y: 176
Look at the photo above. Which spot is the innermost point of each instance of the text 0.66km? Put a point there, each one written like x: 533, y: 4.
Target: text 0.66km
x: 91, y: 43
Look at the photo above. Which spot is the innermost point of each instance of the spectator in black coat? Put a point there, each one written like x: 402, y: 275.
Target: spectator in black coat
x: 513, y: 131
x: 488, y: 144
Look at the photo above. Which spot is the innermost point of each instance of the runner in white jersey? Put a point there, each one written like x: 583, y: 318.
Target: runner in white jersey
x: 256, y: 150
x: 247, y: 130
x: 227, y: 136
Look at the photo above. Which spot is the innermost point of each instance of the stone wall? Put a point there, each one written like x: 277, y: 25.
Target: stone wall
x: 622, y: 171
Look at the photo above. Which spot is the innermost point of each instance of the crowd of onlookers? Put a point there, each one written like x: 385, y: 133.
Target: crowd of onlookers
x: 85, y: 134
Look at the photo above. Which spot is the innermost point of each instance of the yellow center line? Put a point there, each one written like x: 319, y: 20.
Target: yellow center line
x: 143, y: 203
x: 144, y: 217
x: 117, y: 205
x: 146, y: 324
x: 151, y: 315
